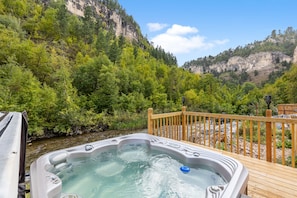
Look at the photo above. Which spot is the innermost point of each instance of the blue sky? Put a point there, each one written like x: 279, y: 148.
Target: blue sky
x: 190, y: 29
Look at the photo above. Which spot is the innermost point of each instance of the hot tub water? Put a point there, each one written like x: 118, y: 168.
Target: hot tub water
x: 134, y: 170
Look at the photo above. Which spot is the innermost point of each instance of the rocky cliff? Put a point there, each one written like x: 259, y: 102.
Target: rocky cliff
x: 259, y: 61
x: 120, y: 26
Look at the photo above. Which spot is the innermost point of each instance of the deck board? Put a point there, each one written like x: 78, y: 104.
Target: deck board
x: 266, y: 179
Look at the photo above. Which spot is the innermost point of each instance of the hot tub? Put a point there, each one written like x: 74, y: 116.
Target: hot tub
x: 137, y: 165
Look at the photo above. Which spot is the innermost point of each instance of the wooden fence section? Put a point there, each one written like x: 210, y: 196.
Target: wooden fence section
x: 271, y: 139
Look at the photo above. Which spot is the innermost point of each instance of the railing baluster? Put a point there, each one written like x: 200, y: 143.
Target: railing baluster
x: 209, y: 140
x: 200, y: 132
x: 175, y: 128
x: 293, y: 145
x: 171, y: 127
x: 154, y: 127
x: 191, y: 117
x: 225, y: 135
x: 231, y: 135
x: 219, y: 133
x: 237, y: 137
x: 259, y: 140
x: 244, y: 137
x: 274, y: 142
x: 195, y: 131
x: 158, y: 127
x: 214, y: 132
x: 180, y: 123
x: 166, y: 127
x: 283, y: 144
x: 251, y: 138
x: 204, y: 131
x: 178, y: 128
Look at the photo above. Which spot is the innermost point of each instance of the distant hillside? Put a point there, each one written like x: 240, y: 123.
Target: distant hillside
x: 257, y: 62
x: 110, y: 15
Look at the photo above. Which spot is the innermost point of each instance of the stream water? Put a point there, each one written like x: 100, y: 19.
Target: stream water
x: 39, y: 147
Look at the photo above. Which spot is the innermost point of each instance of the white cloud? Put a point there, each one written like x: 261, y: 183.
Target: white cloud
x: 221, y: 42
x: 180, y: 39
x: 153, y: 27
x: 177, y: 44
x: 181, y: 30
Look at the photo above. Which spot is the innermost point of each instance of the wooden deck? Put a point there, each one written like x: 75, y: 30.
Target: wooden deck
x: 266, y: 179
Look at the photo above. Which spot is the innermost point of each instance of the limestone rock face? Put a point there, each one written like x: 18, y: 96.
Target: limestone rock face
x: 258, y: 61
x: 121, y: 27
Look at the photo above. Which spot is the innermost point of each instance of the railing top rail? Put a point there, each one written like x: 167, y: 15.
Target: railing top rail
x: 165, y: 115
x: 243, y: 117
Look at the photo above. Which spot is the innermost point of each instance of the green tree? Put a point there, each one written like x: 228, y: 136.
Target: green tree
x: 149, y: 87
x: 123, y: 74
x: 16, y: 8
x: 88, y: 28
x: 1, y: 8
x: 86, y: 77
x: 278, y: 91
x: 62, y: 17
x: 173, y: 84
x: 291, y: 84
x: 75, y: 27
x: 37, y: 59
x: 247, y: 87
x: 13, y: 23
x: 102, y: 43
x: 21, y: 91
x: 159, y: 101
x: 49, y: 25
x: 191, y: 100
x: 67, y: 111
x: 9, y: 43
x: 114, y: 52
x: 30, y: 25
x: 133, y: 102
x: 106, y: 95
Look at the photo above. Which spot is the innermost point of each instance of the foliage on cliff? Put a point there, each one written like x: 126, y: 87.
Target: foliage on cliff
x: 71, y: 74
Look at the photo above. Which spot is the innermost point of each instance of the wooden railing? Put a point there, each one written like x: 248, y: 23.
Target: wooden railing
x: 266, y: 138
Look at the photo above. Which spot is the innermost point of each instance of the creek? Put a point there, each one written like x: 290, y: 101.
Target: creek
x: 39, y: 147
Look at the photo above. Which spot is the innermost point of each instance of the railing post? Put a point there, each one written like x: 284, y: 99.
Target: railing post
x: 184, y: 122
x: 294, y: 136
x: 150, y: 121
x: 268, y: 136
